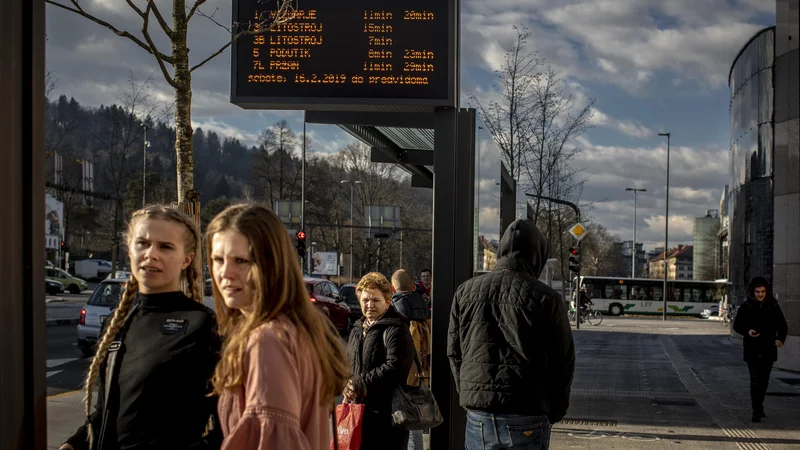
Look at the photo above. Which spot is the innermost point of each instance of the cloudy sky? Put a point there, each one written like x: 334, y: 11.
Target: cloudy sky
x: 652, y: 66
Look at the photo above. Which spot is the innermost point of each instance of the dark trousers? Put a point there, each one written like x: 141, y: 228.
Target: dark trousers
x: 759, y: 381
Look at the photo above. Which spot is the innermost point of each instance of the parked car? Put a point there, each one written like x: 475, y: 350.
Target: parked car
x: 711, y: 311
x: 348, y: 293
x: 325, y: 296
x: 73, y: 284
x: 103, y: 301
x: 121, y: 274
x: 53, y: 287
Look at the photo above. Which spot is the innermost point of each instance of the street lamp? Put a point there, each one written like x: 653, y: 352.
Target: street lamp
x: 633, y: 258
x: 351, y: 183
x: 666, y: 230
x: 144, y: 167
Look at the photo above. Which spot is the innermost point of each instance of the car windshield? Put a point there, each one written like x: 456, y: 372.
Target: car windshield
x: 107, y: 294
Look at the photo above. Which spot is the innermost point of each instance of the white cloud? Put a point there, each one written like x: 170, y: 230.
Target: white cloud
x: 627, y: 127
x: 226, y: 131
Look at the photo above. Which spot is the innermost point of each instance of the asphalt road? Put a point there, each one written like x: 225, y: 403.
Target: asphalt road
x: 66, y: 365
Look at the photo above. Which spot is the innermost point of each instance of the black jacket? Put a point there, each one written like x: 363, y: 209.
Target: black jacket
x: 509, y: 343
x: 411, y: 305
x: 379, y: 362
x: 764, y: 317
x: 159, y: 369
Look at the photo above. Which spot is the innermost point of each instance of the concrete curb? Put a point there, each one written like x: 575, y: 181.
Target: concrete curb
x: 56, y: 322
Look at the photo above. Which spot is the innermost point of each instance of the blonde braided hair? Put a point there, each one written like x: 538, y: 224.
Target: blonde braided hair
x: 191, y: 275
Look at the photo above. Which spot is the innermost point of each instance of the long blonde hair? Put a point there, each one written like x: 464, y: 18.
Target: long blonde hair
x: 279, y: 289
x: 192, y: 275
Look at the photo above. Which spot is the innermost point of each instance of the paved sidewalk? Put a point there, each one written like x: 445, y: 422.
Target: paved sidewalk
x: 639, y: 384
x: 645, y: 383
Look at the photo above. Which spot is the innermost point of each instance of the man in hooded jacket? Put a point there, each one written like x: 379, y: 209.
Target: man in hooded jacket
x: 510, y: 348
x: 761, y: 323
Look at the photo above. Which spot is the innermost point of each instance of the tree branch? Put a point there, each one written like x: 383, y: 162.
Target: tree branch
x: 167, y: 30
x: 79, y: 11
x: 285, y: 13
x: 146, y: 34
x: 194, y: 9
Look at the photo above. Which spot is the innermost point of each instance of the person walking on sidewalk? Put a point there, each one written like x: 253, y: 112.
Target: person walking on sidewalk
x: 380, y: 353
x: 411, y: 305
x: 153, y: 365
x: 510, y: 348
x: 282, y: 362
x: 761, y: 323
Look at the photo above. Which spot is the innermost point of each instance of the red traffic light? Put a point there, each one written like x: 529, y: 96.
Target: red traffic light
x: 573, y: 251
x: 301, y: 235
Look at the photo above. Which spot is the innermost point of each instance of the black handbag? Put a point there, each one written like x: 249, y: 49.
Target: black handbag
x: 413, y: 407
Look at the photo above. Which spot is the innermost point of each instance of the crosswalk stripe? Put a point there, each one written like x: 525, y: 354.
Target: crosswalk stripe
x: 59, y: 362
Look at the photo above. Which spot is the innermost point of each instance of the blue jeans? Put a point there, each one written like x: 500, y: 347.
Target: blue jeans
x: 486, y: 431
x: 415, y: 440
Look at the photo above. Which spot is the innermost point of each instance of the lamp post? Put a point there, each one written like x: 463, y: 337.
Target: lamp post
x: 144, y: 167
x: 633, y: 257
x: 351, y: 183
x: 666, y: 231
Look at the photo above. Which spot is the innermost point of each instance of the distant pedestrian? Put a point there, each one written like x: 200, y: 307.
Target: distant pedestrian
x: 424, y: 285
x: 761, y: 323
x: 510, y: 348
x: 411, y: 305
x: 282, y: 362
x: 153, y: 365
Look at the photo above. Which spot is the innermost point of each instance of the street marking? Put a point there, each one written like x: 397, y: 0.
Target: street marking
x: 63, y: 394
x: 54, y: 372
x: 599, y: 434
x: 59, y: 362
x: 625, y: 393
x: 729, y: 423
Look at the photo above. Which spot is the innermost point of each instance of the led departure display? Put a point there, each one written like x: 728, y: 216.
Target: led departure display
x: 355, y: 52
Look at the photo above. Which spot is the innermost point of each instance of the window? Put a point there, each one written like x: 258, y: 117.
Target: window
x: 107, y: 294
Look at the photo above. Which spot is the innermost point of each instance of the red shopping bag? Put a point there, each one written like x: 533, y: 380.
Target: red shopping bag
x: 348, y: 426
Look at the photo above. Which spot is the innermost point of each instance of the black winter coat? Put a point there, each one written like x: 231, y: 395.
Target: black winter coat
x: 767, y: 319
x: 376, y: 370
x: 509, y: 343
x: 411, y: 305
x: 161, y: 366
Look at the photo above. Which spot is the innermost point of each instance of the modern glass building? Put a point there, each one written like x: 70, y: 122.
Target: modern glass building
x: 750, y: 203
x: 764, y: 202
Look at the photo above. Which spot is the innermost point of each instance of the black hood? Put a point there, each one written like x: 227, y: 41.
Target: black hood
x: 756, y: 282
x: 523, y: 246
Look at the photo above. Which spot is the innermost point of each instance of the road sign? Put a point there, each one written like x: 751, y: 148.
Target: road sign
x: 577, y: 231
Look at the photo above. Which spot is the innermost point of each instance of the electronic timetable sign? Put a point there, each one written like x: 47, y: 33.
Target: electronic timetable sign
x: 356, y: 55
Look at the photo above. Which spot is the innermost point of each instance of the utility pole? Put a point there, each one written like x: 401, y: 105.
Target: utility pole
x: 144, y: 167
x: 351, y: 182
x: 633, y: 257
x: 666, y: 231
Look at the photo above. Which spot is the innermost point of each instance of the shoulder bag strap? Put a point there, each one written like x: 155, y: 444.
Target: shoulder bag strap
x: 334, y: 427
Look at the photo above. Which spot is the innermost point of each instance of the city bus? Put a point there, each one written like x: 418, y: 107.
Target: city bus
x: 617, y: 296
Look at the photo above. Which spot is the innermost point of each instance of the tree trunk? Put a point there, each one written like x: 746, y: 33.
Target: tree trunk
x: 183, y: 103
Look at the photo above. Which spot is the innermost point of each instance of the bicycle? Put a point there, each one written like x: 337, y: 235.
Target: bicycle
x: 588, y: 315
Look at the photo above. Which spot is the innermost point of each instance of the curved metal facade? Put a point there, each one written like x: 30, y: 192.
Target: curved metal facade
x: 750, y: 205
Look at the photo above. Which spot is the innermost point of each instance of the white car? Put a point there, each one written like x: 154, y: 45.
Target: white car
x: 104, y: 299
x: 712, y: 311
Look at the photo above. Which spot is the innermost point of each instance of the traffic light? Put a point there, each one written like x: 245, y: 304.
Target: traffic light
x: 301, y: 243
x: 574, y: 260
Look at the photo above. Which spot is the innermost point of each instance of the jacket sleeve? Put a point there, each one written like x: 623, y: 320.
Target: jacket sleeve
x: 780, y: 324
x: 399, y: 359
x: 741, y: 324
x: 212, y: 439
x: 454, y: 343
x: 560, y: 360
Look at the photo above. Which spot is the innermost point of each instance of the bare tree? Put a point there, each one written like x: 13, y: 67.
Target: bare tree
x: 600, y: 252
x: 508, y: 119
x: 276, y: 172
x: 180, y: 75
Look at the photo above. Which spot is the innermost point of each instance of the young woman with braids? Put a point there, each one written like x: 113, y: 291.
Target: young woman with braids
x: 282, y: 362
x: 153, y: 365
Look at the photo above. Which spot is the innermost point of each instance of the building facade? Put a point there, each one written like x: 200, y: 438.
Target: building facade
x: 786, y: 256
x: 704, y: 254
x: 679, y: 264
x: 722, y: 237
x: 764, y: 186
x: 750, y: 203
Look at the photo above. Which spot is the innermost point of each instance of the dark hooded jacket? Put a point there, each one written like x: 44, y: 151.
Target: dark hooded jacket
x: 411, y: 305
x: 509, y: 343
x: 766, y: 318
